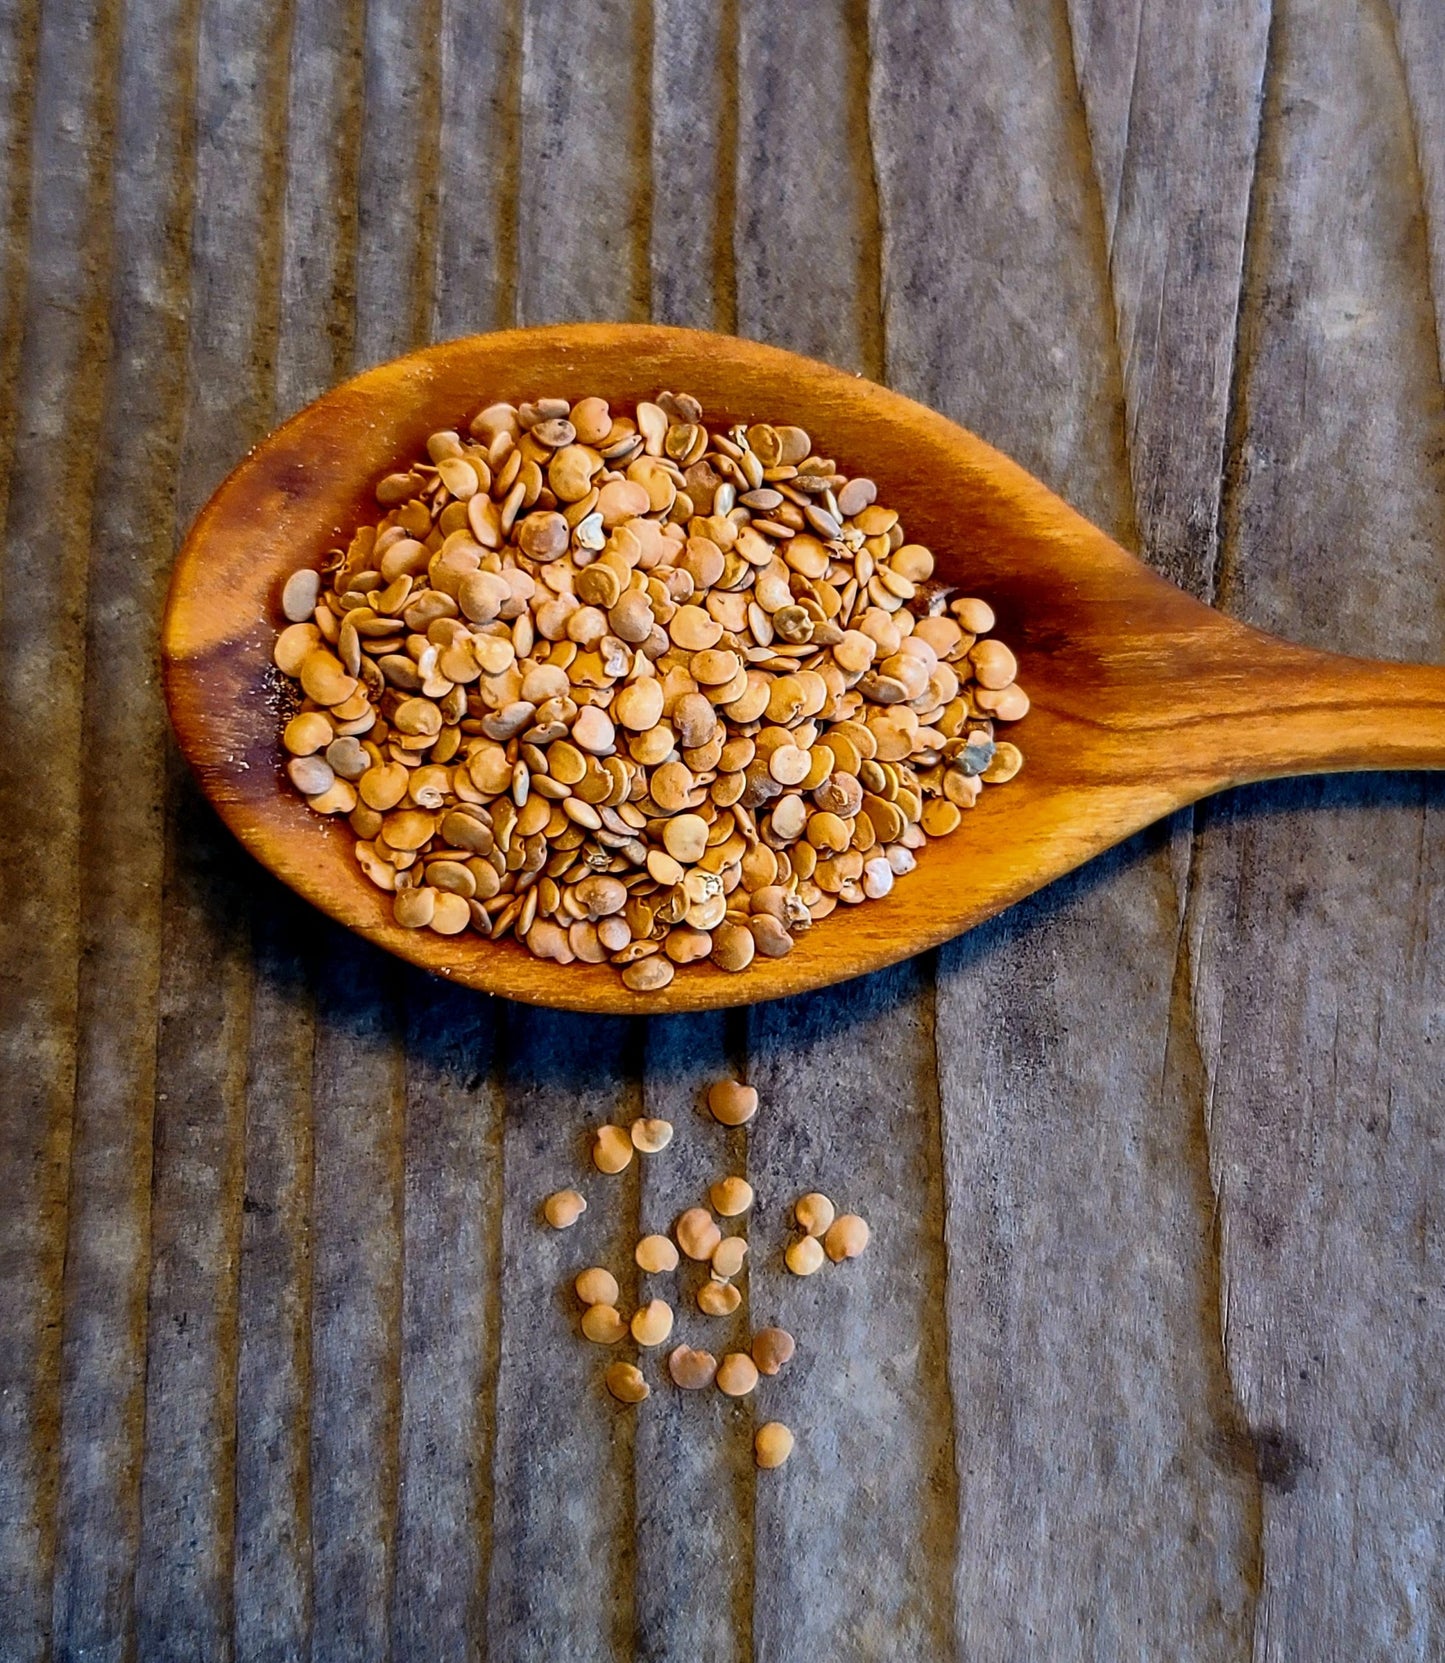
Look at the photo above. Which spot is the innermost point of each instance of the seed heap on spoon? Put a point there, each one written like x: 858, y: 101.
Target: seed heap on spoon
x: 638, y: 691
x: 824, y: 1235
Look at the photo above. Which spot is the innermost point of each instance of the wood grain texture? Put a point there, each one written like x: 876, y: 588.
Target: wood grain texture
x: 1082, y: 1346
x: 1143, y: 1359
x: 1316, y: 984
x: 122, y: 848
x: 59, y: 317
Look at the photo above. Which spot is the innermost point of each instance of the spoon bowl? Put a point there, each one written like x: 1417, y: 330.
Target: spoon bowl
x: 1143, y: 699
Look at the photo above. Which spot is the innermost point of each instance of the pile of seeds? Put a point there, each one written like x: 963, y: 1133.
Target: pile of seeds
x: 638, y: 691
x: 697, y: 1234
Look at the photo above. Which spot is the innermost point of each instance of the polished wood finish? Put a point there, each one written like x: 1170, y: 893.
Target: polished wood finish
x: 1144, y: 699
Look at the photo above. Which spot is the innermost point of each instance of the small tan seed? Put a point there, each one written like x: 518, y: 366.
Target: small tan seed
x: 652, y: 1323
x: 718, y: 1299
x: 846, y: 1237
x: 772, y: 1347
x: 697, y: 1233
x: 651, y: 1135
x: 731, y: 1196
x: 772, y: 1444
x: 596, y: 1286
x: 611, y: 1149
x: 737, y: 1374
x: 563, y: 1208
x: 728, y: 1256
x: 603, y: 1325
x: 805, y: 1256
x: 625, y: 1382
x: 813, y: 1212
x: 732, y: 1102
x: 655, y: 1254
x: 692, y: 1370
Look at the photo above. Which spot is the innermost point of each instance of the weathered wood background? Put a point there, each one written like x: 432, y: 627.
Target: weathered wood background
x: 1147, y: 1360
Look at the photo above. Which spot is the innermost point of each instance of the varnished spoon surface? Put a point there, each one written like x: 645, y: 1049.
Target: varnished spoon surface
x: 1143, y: 699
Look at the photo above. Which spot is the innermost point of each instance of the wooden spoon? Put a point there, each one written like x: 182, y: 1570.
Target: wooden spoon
x: 1143, y: 699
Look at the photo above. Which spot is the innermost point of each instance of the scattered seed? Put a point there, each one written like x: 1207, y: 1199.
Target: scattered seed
x: 731, y: 1196
x: 602, y: 1325
x: 697, y: 1233
x: 563, y: 1208
x: 655, y: 1254
x: 625, y: 1382
x: 596, y: 1286
x: 652, y: 1323
x: 737, y: 1374
x: 732, y: 1103
x: 728, y: 1256
x: 813, y: 1212
x: 772, y: 1444
x: 846, y: 1237
x: 651, y: 1135
x: 611, y: 1149
x: 804, y: 1256
x: 692, y: 1370
x: 718, y: 1299
x: 772, y: 1347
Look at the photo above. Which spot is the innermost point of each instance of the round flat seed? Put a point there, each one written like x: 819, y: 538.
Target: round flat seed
x: 845, y: 1238
x: 731, y: 1102
x: 652, y: 1323
x: 450, y: 913
x: 813, y: 1212
x: 685, y: 837
x: 731, y: 1196
x: 299, y: 597
x: 598, y: 1286
x: 728, y: 1256
x: 772, y: 1348
x: 718, y: 1299
x: 626, y: 1383
x: 648, y: 975
x: 650, y: 1136
x: 697, y: 1233
x: 655, y: 1254
x: 692, y: 1370
x: 805, y: 1256
x: 603, y: 1325
x: 772, y: 1444
x: 737, y: 1374
x: 611, y: 1149
x: 563, y: 1208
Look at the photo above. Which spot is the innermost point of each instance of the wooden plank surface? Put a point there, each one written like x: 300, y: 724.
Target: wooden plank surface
x: 1143, y: 1360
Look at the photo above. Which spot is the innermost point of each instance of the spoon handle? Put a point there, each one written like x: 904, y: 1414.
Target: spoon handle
x: 1308, y: 712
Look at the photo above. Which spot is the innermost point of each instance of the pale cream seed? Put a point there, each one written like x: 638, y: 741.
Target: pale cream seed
x: 611, y: 1149
x: 728, y: 1256
x: 650, y: 1136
